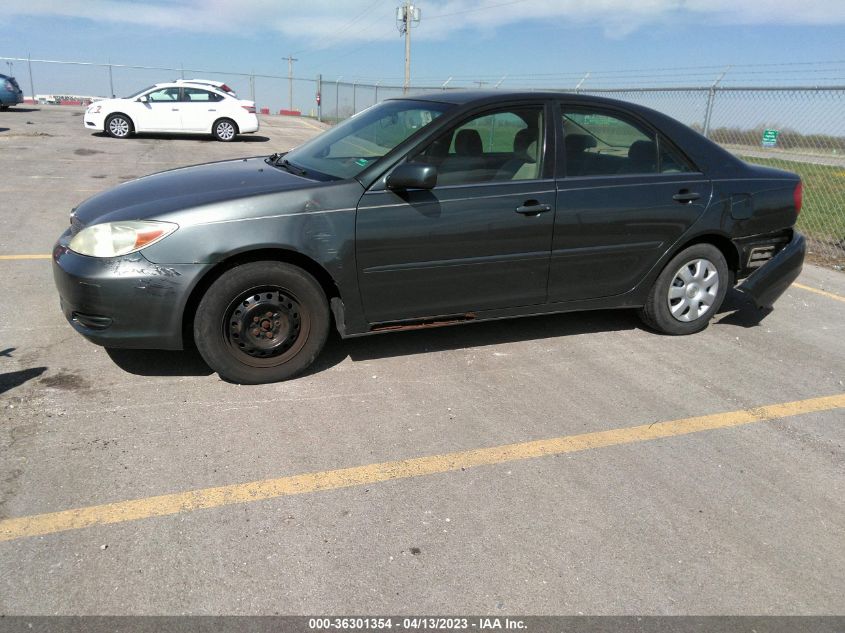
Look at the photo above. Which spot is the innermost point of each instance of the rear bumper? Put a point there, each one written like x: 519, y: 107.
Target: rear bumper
x: 770, y: 281
x: 248, y: 125
x: 124, y: 301
x: 11, y: 98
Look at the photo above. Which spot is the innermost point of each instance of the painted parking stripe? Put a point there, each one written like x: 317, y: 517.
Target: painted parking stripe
x: 39, y: 256
x: 824, y: 293
x: 182, y: 502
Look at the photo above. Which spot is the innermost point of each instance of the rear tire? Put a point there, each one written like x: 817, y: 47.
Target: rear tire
x: 119, y: 126
x: 688, y: 292
x: 225, y: 130
x: 261, y: 322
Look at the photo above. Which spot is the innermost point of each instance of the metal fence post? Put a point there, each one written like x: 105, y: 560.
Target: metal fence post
x: 111, y: 82
x: 320, y: 97
x: 711, y: 95
x: 252, y: 88
x: 337, y: 99
x: 31, y: 83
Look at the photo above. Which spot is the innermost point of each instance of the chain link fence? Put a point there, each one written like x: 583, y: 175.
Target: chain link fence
x: 800, y: 129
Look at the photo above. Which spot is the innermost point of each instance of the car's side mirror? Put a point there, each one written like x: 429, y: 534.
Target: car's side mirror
x: 412, y: 176
x: 143, y: 99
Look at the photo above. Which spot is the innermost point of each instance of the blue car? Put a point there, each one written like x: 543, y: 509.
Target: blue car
x: 10, y: 92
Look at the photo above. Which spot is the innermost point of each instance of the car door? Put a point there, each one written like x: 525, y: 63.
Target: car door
x: 625, y: 194
x: 199, y: 109
x: 161, y: 112
x: 480, y: 239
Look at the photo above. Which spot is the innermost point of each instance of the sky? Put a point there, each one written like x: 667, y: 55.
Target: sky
x: 522, y: 43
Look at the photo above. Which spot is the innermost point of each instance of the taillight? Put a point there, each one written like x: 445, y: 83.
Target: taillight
x: 250, y: 109
x: 798, y: 196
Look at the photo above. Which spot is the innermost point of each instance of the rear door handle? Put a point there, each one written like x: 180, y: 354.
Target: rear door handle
x: 684, y: 195
x: 532, y: 207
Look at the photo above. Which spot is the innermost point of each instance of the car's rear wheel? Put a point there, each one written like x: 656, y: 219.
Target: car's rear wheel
x: 688, y: 292
x: 261, y: 322
x: 225, y: 130
x: 118, y: 126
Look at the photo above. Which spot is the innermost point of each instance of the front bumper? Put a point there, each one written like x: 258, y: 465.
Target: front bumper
x: 94, y: 121
x: 770, y: 281
x: 127, y: 301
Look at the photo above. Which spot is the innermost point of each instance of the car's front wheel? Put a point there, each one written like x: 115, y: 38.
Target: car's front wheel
x: 688, y: 292
x: 261, y: 322
x: 225, y: 130
x: 118, y: 126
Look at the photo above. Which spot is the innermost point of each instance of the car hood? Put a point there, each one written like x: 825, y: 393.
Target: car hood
x: 185, y: 188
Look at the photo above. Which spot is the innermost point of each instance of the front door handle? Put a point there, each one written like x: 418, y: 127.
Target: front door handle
x: 532, y: 207
x: 685, y: 195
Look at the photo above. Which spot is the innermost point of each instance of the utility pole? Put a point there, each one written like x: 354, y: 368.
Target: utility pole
x: 291, y: 59
x: 407, y: 16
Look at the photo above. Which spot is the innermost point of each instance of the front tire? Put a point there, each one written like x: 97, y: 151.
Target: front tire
x: 261, y: 322
x: 688, y: 292
x: 225, y: 130
x: 119, y: 126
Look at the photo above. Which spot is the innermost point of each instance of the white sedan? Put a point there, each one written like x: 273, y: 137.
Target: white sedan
x: 175, y: 108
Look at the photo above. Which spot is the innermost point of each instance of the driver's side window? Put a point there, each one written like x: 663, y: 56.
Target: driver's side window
x: 494, y: 146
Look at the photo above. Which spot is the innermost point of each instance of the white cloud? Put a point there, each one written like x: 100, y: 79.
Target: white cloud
x: 327, y: 22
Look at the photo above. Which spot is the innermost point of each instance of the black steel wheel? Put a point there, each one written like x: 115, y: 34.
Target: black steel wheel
x: 688, y: 292
x: 261, y: 322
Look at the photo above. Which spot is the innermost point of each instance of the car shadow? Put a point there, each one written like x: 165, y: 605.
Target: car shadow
x: 472, y: 335
x: 156, y: 362
x: 16, y: 109
x: 4, y: 129
x: 190, y: 363
x: 205, y: 138
x: 743, y: 312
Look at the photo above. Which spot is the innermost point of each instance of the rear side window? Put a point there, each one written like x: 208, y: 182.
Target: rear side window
x: 599, y: 143
x: 204, y: 96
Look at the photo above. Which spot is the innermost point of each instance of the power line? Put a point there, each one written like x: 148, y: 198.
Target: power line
x: 481, y: 8
x: 342, y: 29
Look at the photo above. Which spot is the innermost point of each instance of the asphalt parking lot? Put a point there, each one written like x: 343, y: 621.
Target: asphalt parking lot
x: 519, y: 467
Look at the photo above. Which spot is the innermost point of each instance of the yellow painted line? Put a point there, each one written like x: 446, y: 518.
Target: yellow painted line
x: 39, y: 256
x: 312, y: 126
x: 824, y: 293
x: 176, y: 503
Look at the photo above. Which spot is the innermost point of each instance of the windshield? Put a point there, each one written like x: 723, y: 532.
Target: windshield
x: 346, y: 150
x: 135, y: 94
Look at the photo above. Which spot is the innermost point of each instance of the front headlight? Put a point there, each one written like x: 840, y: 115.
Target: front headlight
x: 113, y: 239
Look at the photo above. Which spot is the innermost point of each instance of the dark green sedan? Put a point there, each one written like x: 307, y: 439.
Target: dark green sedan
x: 427, y: 211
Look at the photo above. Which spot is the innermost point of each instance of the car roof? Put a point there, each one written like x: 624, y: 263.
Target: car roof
x: 463, y: 97
x: 189, y: 84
